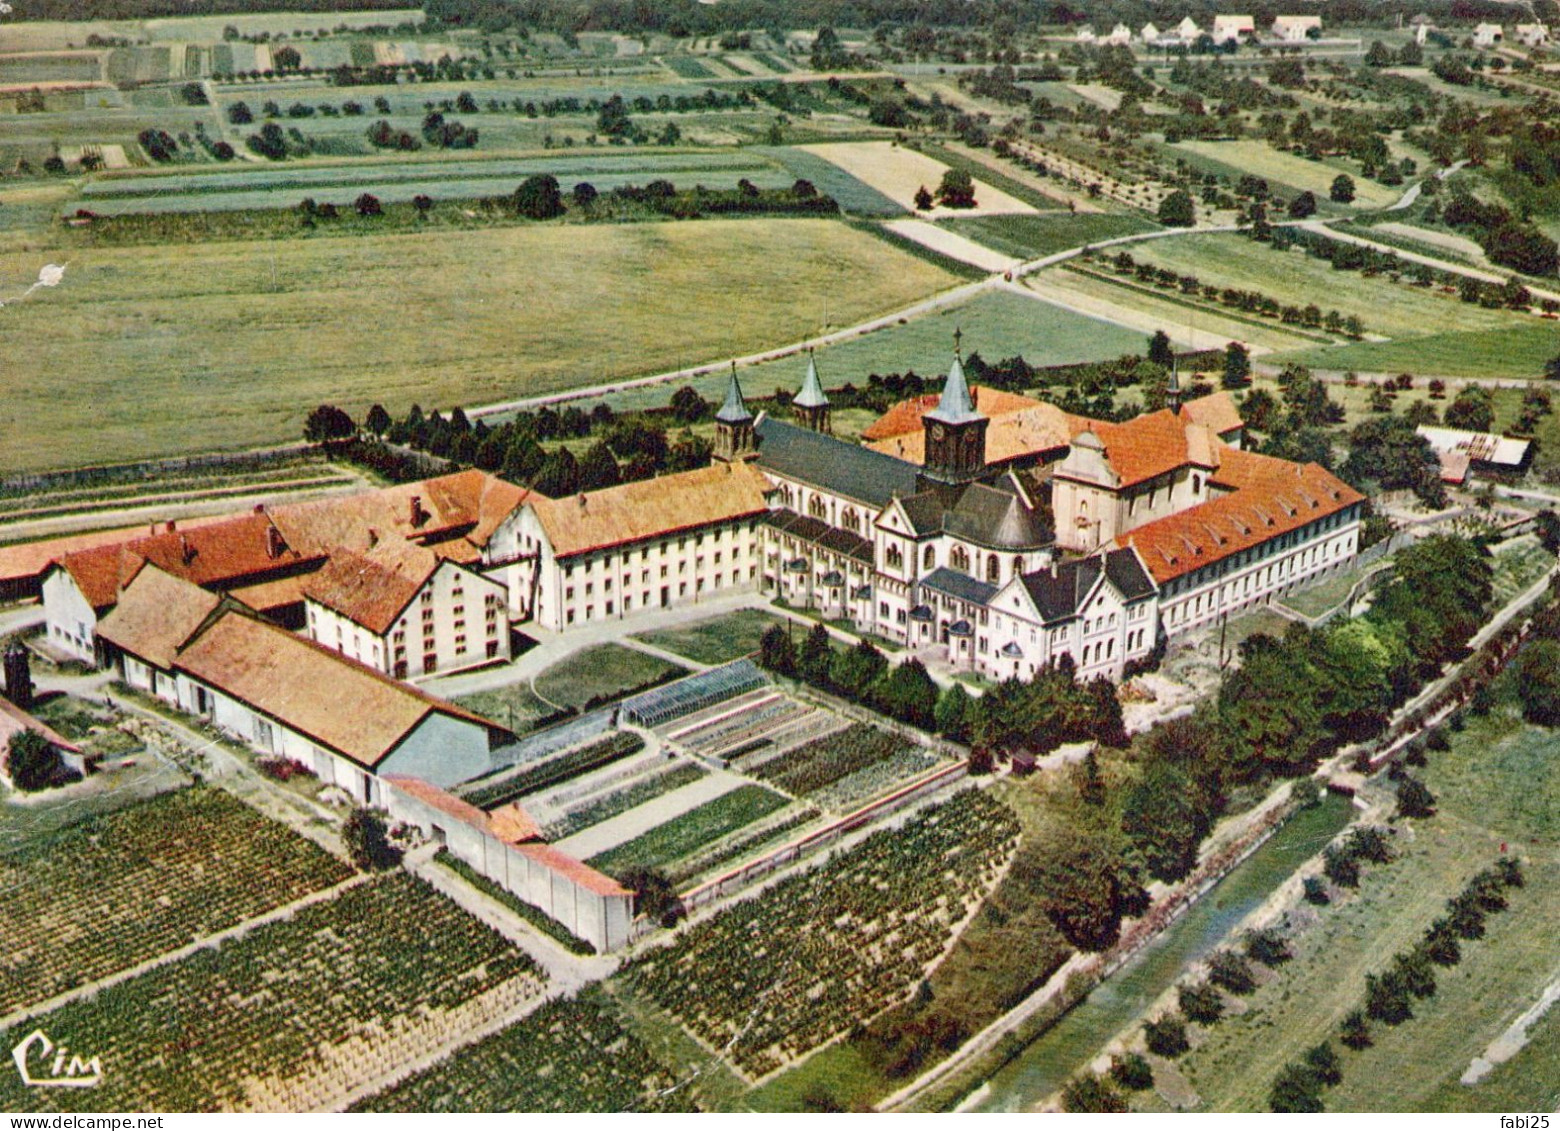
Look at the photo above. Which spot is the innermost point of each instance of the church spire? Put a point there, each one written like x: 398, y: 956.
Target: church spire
x: 811, y: 404
x: 954, y: 449
x: 734, y: 436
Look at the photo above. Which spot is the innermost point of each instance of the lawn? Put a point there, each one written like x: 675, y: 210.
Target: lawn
x: 1315, y: 600
x: 515, y: 706
x: 1030, y: 237
x: 699, y: 826
x: 1518, y: 565
x: 1520, y: 350
x: 178, y: 349
x: 715, y: 641
x: 1498, y: 785
x: 995, y: 325
x: 602, y: 672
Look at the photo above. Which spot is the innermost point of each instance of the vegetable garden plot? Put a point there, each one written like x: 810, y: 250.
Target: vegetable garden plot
x: 293, y: 1014
x: 691, y: 831
x: 502, y: 790
x: 569, y: 1055
x: 778, y: 975
x: 111, y: 892
x: 826, y: 760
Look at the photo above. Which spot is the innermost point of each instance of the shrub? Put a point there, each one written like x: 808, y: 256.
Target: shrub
x: 1369, y: 843
x: 1415, y: 972
x: 1202, y: 1003
x: 368, y: 841
x: 1441, y: 945
x: 1166, y: 1036
x: 1296, y: 1090
x: 1232, y: 972
x: 1091, y: 1093
x: 1267, y: 946
x: 33, y: 762
x: 1414, y: 799
x: 1316, y: 891
x: 1355, y: 1030
x: 1132, y: 1071
x: 1386, y: 998
x: 1324, y: 1062
x: 1341, y: 868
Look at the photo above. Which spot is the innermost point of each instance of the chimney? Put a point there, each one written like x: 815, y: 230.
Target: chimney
x: 186, y: 551
x: 259, y: 508
x: 419, y: 516
x: 170, y: 526
x: 373, y: 537
x: 582, y: 500
x: 1053, y: 567
x: 273, y: 543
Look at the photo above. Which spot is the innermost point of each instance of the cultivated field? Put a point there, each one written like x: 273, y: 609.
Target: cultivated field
x: 1495, y: 786
x: 293, y: 1014
x: 787, y: 970
x: 682, y: 835
x: 165, y: 359
x: 111, y: 892
x: 898, y: 172
x: 1284, y: 170
x: 568, y: 1056
x: 1516, y: 351
x: 1030, y: 237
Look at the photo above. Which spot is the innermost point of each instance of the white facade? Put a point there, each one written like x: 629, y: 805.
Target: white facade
x: 1092, y: 508
x: 1119, y: 35
x: 1242, y: 581
x: 1487, y: 35
x: 70, y: 619
x: 1532, y: 35
x: 655, y: 573
x: 1296, y: 29
x: 1226, y: 28
x: 458, y: 619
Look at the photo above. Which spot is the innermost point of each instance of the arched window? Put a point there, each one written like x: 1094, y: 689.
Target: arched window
x: 960, y: 559
x: 1196, y: 484
x: 994, y: 569
x: 928, y: 559
x: 895, y: 557
x: 1018, y: 564
x: 850, y: 520
x: 815, y: 506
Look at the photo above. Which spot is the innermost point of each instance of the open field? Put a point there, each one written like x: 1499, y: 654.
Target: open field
x: 898, y: 172
x: 111, y: 892
x: 1030, y: 237
x: 51, y: 35
x: 1517, y: 351
x: 165, y: 359
x: 996, y: 325
x: 569, y: 1056
x: 292, y: 1014
x: 1283, y: 170
x: 1497, y: 785
x: 715, y: 641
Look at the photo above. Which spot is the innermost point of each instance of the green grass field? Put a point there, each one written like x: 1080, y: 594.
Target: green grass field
x: 1283, y: 171
x: 605, y: 671
x: 225, y: 346
x: 1033, y: 236
x: 715, y: 641
x: 1516, y: 351
x: 1497, y: 785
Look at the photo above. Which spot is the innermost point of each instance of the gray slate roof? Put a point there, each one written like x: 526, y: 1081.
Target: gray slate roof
x: 1058, y: 597
x: 811, y: 394
x: 734, y: 411
x: 961, y: 586
x: 956, y: 405
x: 834, y: 465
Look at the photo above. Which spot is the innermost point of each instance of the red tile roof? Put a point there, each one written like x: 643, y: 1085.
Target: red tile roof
x: 30, y: 559
x: 1269, y: 497
x: 14, y: 720
x: 156, y: 615
x: 1146, y: 446
x: 905, y: 417
x: 1216, y: 411
x: 371, y: 592
x: 445, y: 802
x: 565, y: 865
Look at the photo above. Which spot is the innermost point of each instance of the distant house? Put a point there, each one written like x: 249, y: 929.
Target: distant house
x: 1532, y: 35
x: 1227, y: 28
x: 1465, y: 453
x: 1296, y: 29
x: 1119, y: 35
x: 1187, y: 30
x: 1149, y: 33
x: 1086, y: 34
x: 1487, y: 35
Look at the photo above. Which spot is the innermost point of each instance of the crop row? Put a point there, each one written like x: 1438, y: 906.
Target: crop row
x: 693, y: 829
x: 301, y: 1008
x: 856, y: 789
x: 826, y: 760
x: 587, y: 758
x: 775, y: 976
x: 621, y: 801
x: 114, y: 891
x: 568, y: 1056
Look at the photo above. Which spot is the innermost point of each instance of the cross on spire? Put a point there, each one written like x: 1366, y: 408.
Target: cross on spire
x: 958, y: 336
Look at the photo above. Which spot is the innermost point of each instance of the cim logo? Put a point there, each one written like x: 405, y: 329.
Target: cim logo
x: 43, y: 1064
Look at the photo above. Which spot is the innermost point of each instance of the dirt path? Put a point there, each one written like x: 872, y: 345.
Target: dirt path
x: 1511, y: 1042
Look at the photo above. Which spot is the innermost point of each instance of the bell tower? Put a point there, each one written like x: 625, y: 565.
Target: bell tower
x: 810, y: 404
x: 955, y: 431
x: 734, y: 426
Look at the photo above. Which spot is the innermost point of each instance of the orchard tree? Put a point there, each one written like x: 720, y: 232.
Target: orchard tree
x: 1160, y: 351
x: 1237, y: 366
x: 1302, y: 206
x: 957, y: 190
x: 1178, y: 210
x: 1342, y: 191
x: 328, y: 425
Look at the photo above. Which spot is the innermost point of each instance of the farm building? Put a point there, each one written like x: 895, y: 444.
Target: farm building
x: 1149, y: 33
x: 1296, y: 29
x: 1532, y: 35
x: 407, y: 612
x: 1487, y: 35
x: 594, y: 907
x: 1227, y: 28
x: 1119, y: 35
x: 1466, y: 453
x: 1086, y: 34
x: 1187, y: 30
